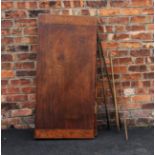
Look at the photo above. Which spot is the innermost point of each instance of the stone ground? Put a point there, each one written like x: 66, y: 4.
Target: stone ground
x: 21, y: 142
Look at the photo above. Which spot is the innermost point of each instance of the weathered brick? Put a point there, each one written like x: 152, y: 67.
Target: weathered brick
x: 141, y: 3
x: 20, y: 82
x: 140, y: 52
x: 25, y: 22
x: 16, y: 98
x: 5, y: 32
x: 28, y: 90
x: 7, y: 74
x: 27, y: 56
x: 6, y: 5
x: 26, y: 40
x: 135, y: 76
x: 96, y: 4
x: 25, y: 73
x: 7, y: 40
x: 13, y: 90
x: 149, y: 75
x: 142, y: 36
x: 30, y: 31
x: 119, y: 3
x: 4, y: 82
x: 141, y: 98
x: 35, y: 13
x: 26, y: 5
x: 146, y: 83
x: 21, y: 112
x: 138, y: 19
x: 139, y: 60
x: 122, y: 36
x: 15, y: 14
x: 6, y: 23
x: 6, y: 57
x: 7, y: 66
x: 136, y: 28
x: 137, y: 68
x: 126, y: 60
x: 24, y: 65
x: 119, y: 20
x: 50, y: 4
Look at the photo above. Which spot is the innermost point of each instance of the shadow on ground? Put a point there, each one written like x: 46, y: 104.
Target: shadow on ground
x: 21, y: 142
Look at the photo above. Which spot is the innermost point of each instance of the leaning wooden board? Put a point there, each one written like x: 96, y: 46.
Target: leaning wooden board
x: 66, y: 77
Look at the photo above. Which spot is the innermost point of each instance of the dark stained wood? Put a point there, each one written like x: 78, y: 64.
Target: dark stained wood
x: 66, y: 77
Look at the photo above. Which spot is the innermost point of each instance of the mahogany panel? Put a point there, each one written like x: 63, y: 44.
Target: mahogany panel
x: 66, y: 76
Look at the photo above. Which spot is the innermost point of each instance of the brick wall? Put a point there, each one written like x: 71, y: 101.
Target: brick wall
x: 126, y: 28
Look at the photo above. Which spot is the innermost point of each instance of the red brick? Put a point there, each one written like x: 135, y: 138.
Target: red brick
x: 25, y: 22
x: 6, y: 5
x: 129, y: 45
x: 11, y: 121
x: 120, y: 69
x: 106, y: 45
x: 140, y: 53
x: 6, y: 57
x: 20, y: 82
x: 141, y: 3
x: 135, y: 28
x: 4, y: 82
x: 16, y: 98
x: 148, y: 11
x: 26, y: 5
x: 123, y: 20
x: 5, y: 32
x: 30, y: 31
x: 67, y: 4
x: 133, y: 76
x: 141, y: 98
x: 13, y: 90
x: 119, y: 53
x: 139, y: 60
x: 119, y: 3
x: 26, y: 56
x: 3, y: 91
x: 26, y: 40
x: 7, y: 66
x: 16, y: 31
x: 148, y: 106
x: 138, y: 19
x: 28, y: 90
x: 149, y: 75
x: 150, y: 27
x: 24, y: 65
x: 146, y: 83
x: 7, y: 74
x: 126, y: 60
x: 25, y: 73
x: 7, y: 40
x: 121, y: 36
x: 85, y: 12
x: 137, y: 68
x: 96, y: 4
x: 119, y: 28
x: 6, y: 23
x: 15, y: 14
x: 109, y: 12
x: 21, y: 112
x: 50, y: 4
x: 142, y: 36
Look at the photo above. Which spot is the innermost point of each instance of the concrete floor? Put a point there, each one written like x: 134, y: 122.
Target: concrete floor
x: 21, y: 142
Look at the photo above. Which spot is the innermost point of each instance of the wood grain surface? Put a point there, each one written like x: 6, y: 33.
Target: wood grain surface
x: 66, y: 75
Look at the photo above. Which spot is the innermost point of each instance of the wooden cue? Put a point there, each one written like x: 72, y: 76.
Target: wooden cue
x: 114, y: 92
x: 125, y: 129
